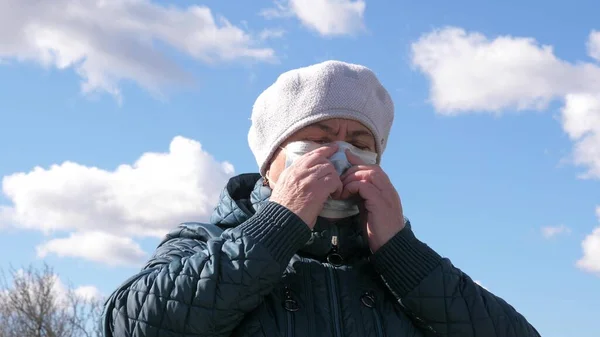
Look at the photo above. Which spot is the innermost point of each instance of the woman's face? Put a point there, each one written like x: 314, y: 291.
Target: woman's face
x: 327, y: 131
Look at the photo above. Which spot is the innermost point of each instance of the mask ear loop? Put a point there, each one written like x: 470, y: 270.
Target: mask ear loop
x: 266, y: 181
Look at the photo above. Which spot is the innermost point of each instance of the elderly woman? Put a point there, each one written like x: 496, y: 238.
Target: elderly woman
x: 314, y: 245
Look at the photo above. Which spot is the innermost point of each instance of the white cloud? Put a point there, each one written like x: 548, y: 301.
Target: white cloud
x: 581, y: 121
x: 6, y: 216
x: 327, y: 17
x: 88, y: 292
x: 271, y: 34
x: 143, y: 199
x: 104, y: 208
x: 471, y: 73
x: 109, y: 41
x: 593, y: 45
x: 590, y: 261
x: 278, y: 12
x: 96, y: 246
x: 591, y: 252
x: 552, y: 231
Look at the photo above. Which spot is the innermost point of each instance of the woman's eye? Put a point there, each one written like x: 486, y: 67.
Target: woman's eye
x: 361, y: 146
x: 320, y: 141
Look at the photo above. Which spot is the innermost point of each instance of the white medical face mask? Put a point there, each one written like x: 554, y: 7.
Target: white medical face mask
x: 333, y: 209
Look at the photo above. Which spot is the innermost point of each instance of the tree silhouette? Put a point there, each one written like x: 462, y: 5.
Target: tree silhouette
x: 34, y: 303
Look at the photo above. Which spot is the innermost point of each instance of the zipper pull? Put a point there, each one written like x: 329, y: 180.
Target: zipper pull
x: 368, y: 299
x: 334, y: 257
x: 289, y: 303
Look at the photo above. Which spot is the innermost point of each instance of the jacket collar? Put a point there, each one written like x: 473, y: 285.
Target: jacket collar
x: 245, y: 195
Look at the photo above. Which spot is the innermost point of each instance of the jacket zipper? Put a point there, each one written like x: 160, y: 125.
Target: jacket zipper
x: 378, y: 323
x: 290, y: 306
x: 290, y: 324
x: 334, y: 257
x: 309, y: 299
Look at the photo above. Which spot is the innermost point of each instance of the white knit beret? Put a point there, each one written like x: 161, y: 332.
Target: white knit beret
x: 307, y: 95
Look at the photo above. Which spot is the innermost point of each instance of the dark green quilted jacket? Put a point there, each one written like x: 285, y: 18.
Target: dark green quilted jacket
x: 257, y: 270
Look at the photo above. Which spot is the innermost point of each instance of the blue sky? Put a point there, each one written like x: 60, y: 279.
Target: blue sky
x: 495, y: 149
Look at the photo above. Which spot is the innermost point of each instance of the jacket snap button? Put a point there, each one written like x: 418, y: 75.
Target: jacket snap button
x: 291, y: 305
x: 368, y: 300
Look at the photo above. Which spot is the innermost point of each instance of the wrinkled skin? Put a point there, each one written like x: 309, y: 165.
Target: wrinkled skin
x: 304, y: 187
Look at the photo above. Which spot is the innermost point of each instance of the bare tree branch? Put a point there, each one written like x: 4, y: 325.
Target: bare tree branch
x: 34, y: 303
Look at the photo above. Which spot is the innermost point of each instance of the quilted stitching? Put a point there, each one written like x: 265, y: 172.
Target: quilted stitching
x: 201, y: 282
x: 220, y: 279
x: 452, y: 304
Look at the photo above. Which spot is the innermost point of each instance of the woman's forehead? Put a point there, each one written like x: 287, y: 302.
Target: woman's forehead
x: 333, y: 126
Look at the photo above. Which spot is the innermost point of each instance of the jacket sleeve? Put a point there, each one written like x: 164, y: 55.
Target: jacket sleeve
x: 439, y: 298
x: 194, y: 286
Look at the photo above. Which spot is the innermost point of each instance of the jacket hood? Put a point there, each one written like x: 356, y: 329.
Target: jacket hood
x: 245, y: 194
